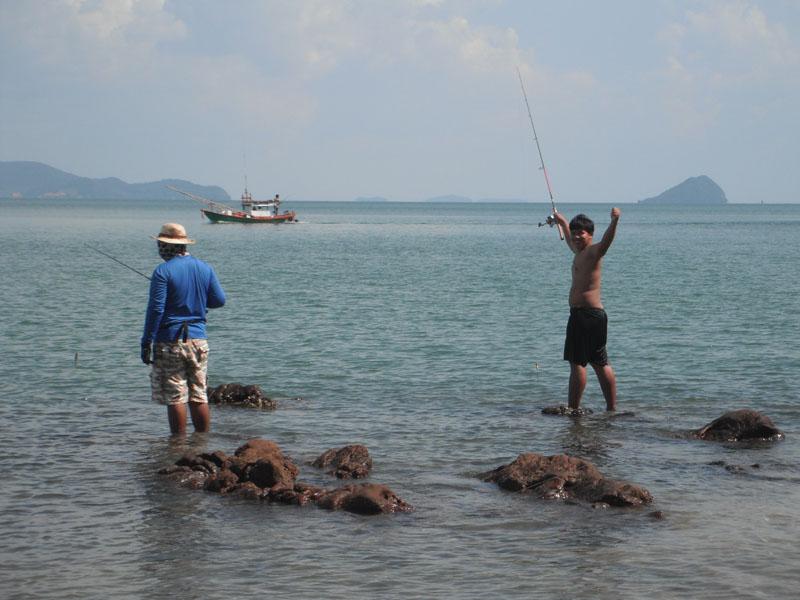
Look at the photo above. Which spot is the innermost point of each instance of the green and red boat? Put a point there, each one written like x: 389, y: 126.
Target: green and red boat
x: 253, y: 211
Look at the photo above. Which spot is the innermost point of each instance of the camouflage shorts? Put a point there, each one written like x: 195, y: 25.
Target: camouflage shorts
x: 179, y: 372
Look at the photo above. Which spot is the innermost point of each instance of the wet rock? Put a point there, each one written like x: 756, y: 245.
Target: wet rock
x: 258, y: 470
x: 566, y: 410
x: 218, y: 457
x: 237, y: 394
x: 173, y: 470
x: 184, y: 476
x: 735, y: 469
x: 351, y: 462
x: 222, y: 481
x: 740, y: 425
x: 196, y: 463
x: 565, y: 477
x: 364, y: 499
x: 262, y: 463
x: 248, y: 490
x: 299, y: 495
x: 193, y: 480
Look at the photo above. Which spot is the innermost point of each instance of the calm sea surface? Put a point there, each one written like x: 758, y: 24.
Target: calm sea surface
x: 415, y: 329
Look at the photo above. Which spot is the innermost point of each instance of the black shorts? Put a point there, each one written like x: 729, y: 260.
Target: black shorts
x: 587, y: 331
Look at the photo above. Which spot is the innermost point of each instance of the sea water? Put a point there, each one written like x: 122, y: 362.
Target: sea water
x: 433, y: 334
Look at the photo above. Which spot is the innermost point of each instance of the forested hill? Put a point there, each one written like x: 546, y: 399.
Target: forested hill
x: 27, y: 179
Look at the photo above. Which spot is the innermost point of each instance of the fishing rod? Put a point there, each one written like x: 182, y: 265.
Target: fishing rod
x: 550, y: 220
x: 200, y: 198
x: 119, y: 261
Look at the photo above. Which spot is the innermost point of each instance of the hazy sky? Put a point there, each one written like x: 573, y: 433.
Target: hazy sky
x: 409, y: 99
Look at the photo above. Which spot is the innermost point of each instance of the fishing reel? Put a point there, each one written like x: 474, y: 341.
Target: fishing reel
x: 550, y: 220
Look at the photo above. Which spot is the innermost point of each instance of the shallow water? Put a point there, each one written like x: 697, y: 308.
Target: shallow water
x: 416, y: 330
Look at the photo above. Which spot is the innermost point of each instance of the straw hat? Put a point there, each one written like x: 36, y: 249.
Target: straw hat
x: 172, y: 233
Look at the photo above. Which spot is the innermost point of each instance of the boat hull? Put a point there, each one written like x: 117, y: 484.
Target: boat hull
x: 216, y: 217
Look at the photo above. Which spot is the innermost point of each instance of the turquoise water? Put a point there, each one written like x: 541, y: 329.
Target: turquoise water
x: 415, y: 329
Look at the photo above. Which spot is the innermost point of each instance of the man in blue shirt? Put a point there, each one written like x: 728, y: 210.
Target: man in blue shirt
x: 181, y: 289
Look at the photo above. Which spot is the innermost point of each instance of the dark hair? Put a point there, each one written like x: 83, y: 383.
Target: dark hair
x: 581, y: 221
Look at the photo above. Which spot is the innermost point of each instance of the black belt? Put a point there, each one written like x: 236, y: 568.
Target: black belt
x: 184, y: 329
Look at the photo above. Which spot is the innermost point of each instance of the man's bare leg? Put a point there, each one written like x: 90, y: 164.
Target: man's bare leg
x: 176, y: 413
x: 608, y: 383
x: 577, y: 383
x: 201, y: 416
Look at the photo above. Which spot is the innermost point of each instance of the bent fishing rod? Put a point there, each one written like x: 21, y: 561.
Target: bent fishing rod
x: 119, y: 261
x: 550, y: 220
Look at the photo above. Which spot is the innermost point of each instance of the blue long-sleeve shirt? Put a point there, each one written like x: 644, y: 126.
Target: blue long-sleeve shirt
x: 181, y: 290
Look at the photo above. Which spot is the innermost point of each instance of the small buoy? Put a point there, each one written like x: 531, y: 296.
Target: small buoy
x: 537, y: 366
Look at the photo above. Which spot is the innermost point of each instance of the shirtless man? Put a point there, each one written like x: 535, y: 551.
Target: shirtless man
x: 588, y: 323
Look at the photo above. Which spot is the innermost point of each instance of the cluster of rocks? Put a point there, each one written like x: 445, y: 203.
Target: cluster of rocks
x: 237, y: 394
x: 565, y: 477
x: 570, y: 478
x: 260, y: 471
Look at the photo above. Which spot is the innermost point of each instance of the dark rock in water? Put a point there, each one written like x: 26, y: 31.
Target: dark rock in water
x: 249, y: 490
x: 222, y: 481
x: 218, y: 457
x: 300, y: 494
x: 740, y: 425
x: 565, y: 477
x: 258, y: 470
x: 196, y: 463
x: 351, y: 462
x: 566, y: 410
x: 236, y: 394
x: 364, y: 499
x: 262, y: 463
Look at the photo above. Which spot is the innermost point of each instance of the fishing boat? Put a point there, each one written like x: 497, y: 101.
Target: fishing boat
x: 253, y: 211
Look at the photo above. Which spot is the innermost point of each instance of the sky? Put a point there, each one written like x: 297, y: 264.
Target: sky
x: 409, y: 99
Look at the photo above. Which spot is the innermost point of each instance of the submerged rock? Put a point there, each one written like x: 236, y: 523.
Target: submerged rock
x: 740, y: 425
x: 236, y: 394
x: 351, y: 462
x: 566, y: 410
x: 364, y: 499
x: 565, y: 477
x: 259, y: 470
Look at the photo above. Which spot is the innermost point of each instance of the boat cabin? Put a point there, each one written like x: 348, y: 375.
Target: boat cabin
x: 260, y: 208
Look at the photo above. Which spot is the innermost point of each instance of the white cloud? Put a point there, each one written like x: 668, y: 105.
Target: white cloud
x: 732, y: 43
x: 744, y: 26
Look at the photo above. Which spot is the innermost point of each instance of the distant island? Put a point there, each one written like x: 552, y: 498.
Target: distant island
x: 695, y: 190
x: 28, y: 179
x: 370, y: 199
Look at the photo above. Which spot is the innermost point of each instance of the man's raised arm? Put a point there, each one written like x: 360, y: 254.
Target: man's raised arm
x: 564, y: 224
x: 611, y: 231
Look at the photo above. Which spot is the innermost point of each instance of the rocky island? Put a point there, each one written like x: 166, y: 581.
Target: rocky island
x: 695, y: 190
